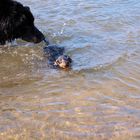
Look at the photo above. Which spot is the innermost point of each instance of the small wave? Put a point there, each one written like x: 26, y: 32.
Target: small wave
x: 101, y: 65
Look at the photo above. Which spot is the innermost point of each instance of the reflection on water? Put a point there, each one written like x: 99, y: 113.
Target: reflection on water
x: 99, y: 98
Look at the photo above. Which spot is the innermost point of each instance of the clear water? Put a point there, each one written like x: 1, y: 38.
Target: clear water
x: 99, y: 98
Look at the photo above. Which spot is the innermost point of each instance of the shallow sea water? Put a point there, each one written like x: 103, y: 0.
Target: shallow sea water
x: 99, y: 98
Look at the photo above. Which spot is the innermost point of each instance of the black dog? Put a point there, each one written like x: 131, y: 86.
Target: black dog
x: 17, y: 21
x: 56, y: 57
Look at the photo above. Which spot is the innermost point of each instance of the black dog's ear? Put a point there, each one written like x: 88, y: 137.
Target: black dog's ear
x: 70, y: 60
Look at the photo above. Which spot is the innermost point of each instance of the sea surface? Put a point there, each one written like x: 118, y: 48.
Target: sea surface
x: 98, y: 98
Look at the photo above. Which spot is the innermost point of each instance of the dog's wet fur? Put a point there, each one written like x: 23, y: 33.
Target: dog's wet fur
x: 56, y: 57
x: 17, y: 21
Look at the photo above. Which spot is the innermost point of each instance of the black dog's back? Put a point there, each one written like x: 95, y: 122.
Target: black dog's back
x: 56, y: 57
x: 53, y: 51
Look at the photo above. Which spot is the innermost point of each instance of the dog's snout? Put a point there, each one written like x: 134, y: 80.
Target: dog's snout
x: 38, y: 35
x: 33, y: 35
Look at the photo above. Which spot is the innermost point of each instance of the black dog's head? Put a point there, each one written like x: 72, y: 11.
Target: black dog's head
x: 27, y: 30
x: 17, y: 21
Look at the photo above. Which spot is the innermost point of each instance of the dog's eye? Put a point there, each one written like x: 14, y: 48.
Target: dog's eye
x: 58, y: 62
x: 27, y: 8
